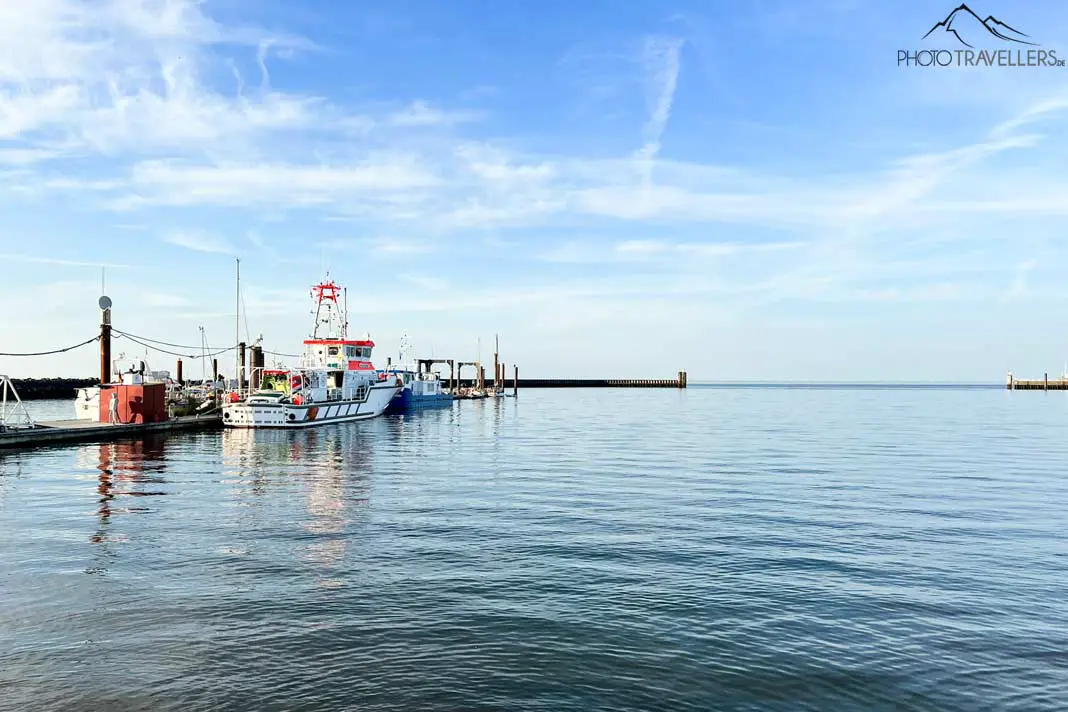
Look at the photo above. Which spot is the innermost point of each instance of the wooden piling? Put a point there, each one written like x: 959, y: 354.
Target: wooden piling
x: 214, y: 370
x: 241, y: 366
x: 255, y: 367
x: 1045, y: 381
x: 496, y: 367
x: 105, y: 346
x: 178, y: 372
x: 515, y: 381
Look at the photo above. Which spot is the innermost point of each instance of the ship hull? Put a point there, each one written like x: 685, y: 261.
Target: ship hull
x: 290, y: 416
x: 406, y: 401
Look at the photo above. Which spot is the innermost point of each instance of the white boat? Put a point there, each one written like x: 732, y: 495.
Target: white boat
x: 334, y: 383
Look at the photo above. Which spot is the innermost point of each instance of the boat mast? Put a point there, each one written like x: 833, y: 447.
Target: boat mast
x: 345, y: 318
x: 237, y: 324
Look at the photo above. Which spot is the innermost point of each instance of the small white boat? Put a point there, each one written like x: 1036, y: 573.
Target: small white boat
x: 335, y: 381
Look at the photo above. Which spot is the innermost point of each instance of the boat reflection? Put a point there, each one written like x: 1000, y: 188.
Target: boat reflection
x: 329, y: 466
x: 126, y: 469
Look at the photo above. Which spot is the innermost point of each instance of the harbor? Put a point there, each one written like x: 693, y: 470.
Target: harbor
x: 333, y: 381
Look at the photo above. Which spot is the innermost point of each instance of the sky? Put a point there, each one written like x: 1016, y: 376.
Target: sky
x: 745, y: 191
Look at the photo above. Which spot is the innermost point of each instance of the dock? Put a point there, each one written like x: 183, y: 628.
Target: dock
x: 1045, y: 384
x: 68, y: 431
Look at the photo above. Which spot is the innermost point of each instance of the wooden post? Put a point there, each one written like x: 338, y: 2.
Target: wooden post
x: 1045, y: 381
x: 254, y: 366
x: 179, y: 372
x: 452, y: 385
x: 215, y: 370
x: 482, y: 378
x: 105, y: 346
x: 515, y: 381
x: 241, y: 366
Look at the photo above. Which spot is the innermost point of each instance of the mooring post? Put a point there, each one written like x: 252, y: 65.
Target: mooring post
x: 1008, y: 381
x: 214, y: 370
x: 452, y: 385
x: 254, y: 368
x: 178, y: 371
x: 105, y: 346
x: 515, y: 381
x: 240, y: 366
x: 1045, y: 381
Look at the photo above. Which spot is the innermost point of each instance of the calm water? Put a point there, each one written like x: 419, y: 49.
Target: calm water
x: 711, y: 549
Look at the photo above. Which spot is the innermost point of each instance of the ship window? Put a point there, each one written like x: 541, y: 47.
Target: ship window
x: 333, y: 351
x: 350, y: 352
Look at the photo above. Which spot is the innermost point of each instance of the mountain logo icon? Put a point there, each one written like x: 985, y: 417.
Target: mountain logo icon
x: 965, y: 25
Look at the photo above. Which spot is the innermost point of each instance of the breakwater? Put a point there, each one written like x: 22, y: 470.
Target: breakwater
x: 510, y: 383
x: 50, y: 388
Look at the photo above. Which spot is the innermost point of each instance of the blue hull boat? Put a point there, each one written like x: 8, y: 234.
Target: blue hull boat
x: 421, y: 390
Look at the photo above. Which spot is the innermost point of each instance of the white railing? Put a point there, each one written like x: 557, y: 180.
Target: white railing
x: 13, y: 413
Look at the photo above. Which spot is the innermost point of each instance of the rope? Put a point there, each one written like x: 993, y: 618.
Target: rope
x: 156, y: 341
x: 276, y: 353
x: 56, y: 351
x: 191, y: 357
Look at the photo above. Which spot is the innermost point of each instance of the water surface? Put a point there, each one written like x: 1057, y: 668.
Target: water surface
x: 707, y: 549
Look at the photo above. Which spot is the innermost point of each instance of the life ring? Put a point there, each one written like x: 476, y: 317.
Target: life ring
x: 233, y: 397
x: 297, y: 399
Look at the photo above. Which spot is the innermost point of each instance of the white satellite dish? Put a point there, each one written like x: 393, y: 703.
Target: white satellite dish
x: 104, y: 302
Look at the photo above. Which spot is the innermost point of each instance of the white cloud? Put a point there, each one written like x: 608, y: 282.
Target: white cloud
x: 36, y: 259
x: 419, y: 113
x: 661, y: 59
x: 658, y: 250
x: 165, y: 301
x: 199, y: 242
x: 124, y: 75
x: 271, y: 184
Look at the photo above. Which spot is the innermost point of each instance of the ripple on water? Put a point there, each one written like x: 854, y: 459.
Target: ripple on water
x: 736, y: 549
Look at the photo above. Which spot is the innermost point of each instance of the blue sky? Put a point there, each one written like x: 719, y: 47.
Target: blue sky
x: 742, y: 190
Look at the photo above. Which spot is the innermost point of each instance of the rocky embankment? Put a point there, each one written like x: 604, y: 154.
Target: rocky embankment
x: 46, y: 388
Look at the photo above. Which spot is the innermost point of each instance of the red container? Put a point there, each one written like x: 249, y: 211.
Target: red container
x: 144, y: 403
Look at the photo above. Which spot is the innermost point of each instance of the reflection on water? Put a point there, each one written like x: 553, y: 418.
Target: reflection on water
x: 753, y: 549
x: 330, y: 465
x: 127, y: 469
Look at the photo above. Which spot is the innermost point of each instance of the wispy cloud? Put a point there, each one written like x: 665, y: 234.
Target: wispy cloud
x: 661, y: 61
x: 419, y: 113
x: 199, y: 242
x: 35, y: 259
x: 658, y: 250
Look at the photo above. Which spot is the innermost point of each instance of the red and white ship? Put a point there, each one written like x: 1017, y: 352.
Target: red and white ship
x: 335, y: 381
